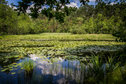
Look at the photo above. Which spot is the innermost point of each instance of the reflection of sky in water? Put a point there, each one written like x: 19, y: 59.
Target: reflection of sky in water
x: 45, y: 72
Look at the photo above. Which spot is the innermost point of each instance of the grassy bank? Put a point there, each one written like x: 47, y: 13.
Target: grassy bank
x: 61, y: 36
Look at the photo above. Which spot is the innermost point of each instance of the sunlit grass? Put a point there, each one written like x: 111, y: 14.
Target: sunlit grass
x: 61, y: 36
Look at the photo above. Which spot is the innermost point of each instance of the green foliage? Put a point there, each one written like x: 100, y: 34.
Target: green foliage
x: 104, y: 71
x: 92, y: 25
x: 121, y: 32
x: 8, y: 20
x: 101, y: 19
x: 51, y: 44
x: 76, y: 29
x: 52, y: 4
x: 24, y: 24
x: 27, y: 65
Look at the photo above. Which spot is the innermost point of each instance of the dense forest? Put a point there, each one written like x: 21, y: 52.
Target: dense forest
x: 102, y: 18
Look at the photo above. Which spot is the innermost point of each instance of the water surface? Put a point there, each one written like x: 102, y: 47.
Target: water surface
x: 46, y: 71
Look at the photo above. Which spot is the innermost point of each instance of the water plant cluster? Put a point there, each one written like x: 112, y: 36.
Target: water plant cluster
x: 57, y: 43
x: 106, y: 71
x: 27, y: 65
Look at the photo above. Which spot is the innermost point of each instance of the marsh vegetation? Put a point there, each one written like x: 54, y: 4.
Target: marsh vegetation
x: 62, y: 58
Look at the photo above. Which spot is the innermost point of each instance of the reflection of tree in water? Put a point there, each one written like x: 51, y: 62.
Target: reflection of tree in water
x: 64, y: 71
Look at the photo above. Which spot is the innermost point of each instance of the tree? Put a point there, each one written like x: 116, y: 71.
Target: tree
x: 8, y: 19
x: 51, y: 5
x: 121, y: 32
x: 3, y: 2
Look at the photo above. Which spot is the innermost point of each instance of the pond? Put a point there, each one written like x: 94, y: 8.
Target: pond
x: 46, y: 71
x: 62, y: 59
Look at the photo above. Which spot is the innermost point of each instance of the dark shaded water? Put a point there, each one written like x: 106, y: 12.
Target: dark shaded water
x: 46, y: 71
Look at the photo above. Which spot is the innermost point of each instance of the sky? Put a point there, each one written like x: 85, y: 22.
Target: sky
x: 74, y: 3
x: 13, y: 1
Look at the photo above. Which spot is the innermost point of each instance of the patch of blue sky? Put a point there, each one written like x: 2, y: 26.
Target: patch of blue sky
x: 92, y: 2
x: 15, y: 2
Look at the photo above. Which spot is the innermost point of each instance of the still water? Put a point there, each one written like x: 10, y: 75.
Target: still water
x: 46, y: 71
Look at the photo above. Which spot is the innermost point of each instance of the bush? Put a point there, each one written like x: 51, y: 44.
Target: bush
x: 8, y: 20
x: 76, y: 29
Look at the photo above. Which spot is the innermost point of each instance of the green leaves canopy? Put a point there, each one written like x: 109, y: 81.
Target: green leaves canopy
x: 50, y: 6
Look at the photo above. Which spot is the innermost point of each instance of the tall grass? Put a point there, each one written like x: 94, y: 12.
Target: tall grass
x: 28, y: 65
x: 105, y: 72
